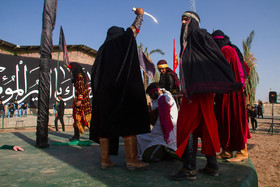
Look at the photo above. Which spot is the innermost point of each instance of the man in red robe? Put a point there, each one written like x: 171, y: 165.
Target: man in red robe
x: 203, y: 72
x: 81, y: 103
x: 231, y: 110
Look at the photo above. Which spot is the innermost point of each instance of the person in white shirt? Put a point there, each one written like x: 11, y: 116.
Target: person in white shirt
x: 154, y: 146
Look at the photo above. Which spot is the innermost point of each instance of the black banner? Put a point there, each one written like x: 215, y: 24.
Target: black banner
x: 20, y: 80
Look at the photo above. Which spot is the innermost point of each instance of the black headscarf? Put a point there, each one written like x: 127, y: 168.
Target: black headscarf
x: 114, y: 32
x: 76, y: 69
x: 203, y: 68
x: 222, y: 40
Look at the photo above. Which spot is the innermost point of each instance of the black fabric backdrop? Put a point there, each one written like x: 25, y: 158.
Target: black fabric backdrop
x: 20, y: 80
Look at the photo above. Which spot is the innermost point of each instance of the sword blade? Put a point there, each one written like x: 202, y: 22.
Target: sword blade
x: 151, y: 17
x: 146, y: 13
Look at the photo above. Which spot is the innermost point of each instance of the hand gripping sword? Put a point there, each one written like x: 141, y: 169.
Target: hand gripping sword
x: 134, y: 9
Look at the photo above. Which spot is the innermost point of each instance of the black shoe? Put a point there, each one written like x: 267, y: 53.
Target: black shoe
x: 210, y: 171
x: 184, y: 174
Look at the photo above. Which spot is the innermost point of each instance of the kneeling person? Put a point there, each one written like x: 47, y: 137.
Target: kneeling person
x: 162, y: 139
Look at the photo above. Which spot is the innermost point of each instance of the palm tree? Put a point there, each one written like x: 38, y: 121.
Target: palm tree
x: 148, y: 54
x: 253, y: 77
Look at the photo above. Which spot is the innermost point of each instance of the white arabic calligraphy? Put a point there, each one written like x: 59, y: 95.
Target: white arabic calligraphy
x: 24, y: 83
x: 2, y: 69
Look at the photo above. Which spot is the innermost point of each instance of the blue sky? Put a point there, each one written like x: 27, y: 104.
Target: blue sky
x: 86, y: 22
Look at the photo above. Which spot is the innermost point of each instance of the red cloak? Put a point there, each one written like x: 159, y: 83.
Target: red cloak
x: 197, y: 116
x: 231, y: 110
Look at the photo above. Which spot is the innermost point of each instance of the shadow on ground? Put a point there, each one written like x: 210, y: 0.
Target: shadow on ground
x: 65, y: 165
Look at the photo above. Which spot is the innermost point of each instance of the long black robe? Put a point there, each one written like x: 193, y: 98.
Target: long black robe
x: 119, y: 102
x: 203, y: 68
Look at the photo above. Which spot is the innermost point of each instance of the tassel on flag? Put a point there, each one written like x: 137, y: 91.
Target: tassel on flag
x: 175, y: 58
x: 63, y: 47
x: 146, y: 65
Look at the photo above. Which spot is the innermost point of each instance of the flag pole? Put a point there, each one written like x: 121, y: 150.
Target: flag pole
x: 48, y: 24
x: 174, y: 55
x: 56, y: 80
x: 57, y: 66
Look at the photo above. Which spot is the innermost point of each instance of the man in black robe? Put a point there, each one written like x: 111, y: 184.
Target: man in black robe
x: 204, y: 71
x: 60, y: 113
x: 119, y: 105
x: 168, y: 78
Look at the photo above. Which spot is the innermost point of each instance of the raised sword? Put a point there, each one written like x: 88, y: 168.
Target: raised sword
x: 134, y: 9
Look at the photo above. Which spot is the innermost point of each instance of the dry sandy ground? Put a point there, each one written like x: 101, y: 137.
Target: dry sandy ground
x: 264, y: 151
x: 263, y: 147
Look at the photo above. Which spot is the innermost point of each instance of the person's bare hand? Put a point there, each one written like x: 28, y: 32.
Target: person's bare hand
x: 139, y: 11
x: 17, y: 148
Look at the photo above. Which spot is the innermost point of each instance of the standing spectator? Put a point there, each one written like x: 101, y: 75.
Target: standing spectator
x: 60, y: 113
x: 11, y: 108
x: 254, y: 119
x: 256, y: 106
x: 2, y: 109
x: 248, y: 112
x: 260, y: 109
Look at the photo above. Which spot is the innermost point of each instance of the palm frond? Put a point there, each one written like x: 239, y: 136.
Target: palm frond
x: 253, y: 77
x: 141, y: 46
x: 249, y: 40
x: 246, y: 50
x: 156, y: 51
x: 156, y: 77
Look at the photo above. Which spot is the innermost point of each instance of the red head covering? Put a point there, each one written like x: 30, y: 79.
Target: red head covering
x: 162, y: 64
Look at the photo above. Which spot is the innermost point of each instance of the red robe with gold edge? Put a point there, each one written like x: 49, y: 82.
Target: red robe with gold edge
x: 231, y: 110
x: 81, y: 114
x: 197, y: 116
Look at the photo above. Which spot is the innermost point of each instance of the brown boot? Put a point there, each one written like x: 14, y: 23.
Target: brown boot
x: 105, y: 161
x: 224, y: 155
x: 131, y: 154
x: 240, y: 155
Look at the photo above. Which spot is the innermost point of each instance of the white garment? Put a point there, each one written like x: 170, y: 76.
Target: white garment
x: 156, y: 136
